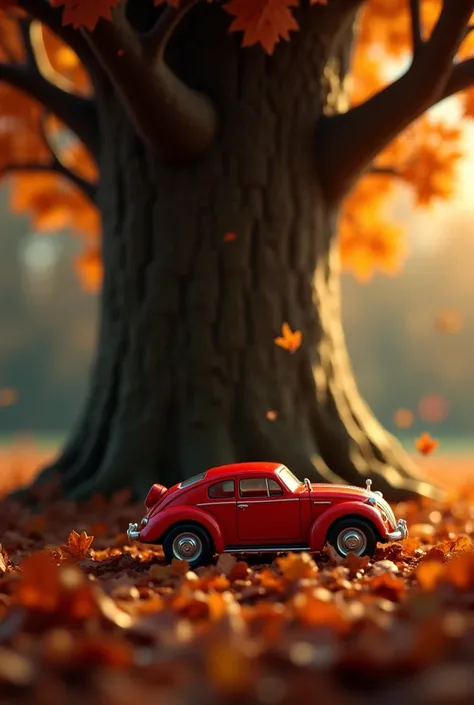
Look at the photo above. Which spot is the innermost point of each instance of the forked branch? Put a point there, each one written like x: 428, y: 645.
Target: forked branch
x: 348, y: 143
x: 176, y: 121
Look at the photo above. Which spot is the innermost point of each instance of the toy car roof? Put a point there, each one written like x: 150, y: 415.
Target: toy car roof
x: 236, y: 469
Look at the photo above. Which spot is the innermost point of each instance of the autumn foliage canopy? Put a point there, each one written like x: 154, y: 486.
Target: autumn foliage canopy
x: 49, y: 166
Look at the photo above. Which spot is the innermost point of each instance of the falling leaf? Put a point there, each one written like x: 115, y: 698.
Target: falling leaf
x: 449, y: 320
x: 78, y: 545
x: 230, y: 237
x: 433, y: 408
x: 425, y: 444
x: 8, y: 396
x: 289, y: 340
x: 403, y: 418
x: 272, y: 415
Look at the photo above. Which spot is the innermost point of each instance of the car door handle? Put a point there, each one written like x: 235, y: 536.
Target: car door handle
x: 243, y: 506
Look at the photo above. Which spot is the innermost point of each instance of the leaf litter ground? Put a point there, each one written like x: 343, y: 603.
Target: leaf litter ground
x: 101, y: 621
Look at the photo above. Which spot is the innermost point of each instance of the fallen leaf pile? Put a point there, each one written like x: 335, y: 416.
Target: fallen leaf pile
x: 87, y: 618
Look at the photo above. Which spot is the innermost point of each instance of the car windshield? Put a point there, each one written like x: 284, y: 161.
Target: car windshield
x: 192, y: 480
x: 288, y: 478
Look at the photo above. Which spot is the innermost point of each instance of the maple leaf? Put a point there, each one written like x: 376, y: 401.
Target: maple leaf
x: 297, y: 566
x: 355, y: 563
x: 78, y: 545
x: 289, y: 340
x: 85, y: 13
x: 262, y: 21
x: 425, y: 444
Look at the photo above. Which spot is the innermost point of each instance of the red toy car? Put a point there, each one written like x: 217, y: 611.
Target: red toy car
x: 261, y: 508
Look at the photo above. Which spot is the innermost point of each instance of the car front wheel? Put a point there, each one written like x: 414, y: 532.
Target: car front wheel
x: 188, y: 542
x: 353, y: 535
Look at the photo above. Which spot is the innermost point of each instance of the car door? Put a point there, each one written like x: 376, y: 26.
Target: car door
x: 266, y: 512
x: 220, y: 501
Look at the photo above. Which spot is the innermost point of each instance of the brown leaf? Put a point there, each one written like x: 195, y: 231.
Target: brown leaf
x: 296, y: 566
x: 39, y: 586
x: 77, y: 546
x: 240, y: 571
x: 355, y: 564
x: 429, y: 574
x: 225, y: 563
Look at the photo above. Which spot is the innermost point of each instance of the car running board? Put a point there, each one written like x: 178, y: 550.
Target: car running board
x: 266, y: 549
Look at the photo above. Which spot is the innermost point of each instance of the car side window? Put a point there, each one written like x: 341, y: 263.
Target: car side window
x: 253, y: 487
x: 222, y: 490
x: 274, y: 489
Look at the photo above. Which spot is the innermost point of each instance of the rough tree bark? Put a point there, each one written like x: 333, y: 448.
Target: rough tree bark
x: 186, y: 367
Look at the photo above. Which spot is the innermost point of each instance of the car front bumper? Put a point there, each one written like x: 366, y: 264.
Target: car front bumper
x: 400, y: 533
x: 133, y: 532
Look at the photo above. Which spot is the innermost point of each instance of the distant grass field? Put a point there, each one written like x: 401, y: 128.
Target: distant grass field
x: 23, y: 454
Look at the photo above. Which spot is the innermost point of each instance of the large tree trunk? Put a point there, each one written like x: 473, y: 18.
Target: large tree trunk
x: 186, y: 366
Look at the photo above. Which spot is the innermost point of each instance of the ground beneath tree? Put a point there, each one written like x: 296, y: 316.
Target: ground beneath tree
x: 109, y: 623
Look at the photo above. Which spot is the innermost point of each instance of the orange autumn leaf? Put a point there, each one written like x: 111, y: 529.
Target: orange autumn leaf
x: 78, y: 545
x: 8, y: 396
x: 39, y: 586
x: 85, y: 13
x: 262, y: 21
x: 296, y: 566
x: 425, y: 444
x: 403, y: 418
x: 272, y: 415
x: 289, y: 340
x: 449, y: 320
x: 230, y: 237
x: 89, y: 268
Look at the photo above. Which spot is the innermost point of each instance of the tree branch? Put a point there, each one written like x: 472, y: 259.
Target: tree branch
x: 348, y: 143
x: 462, y: 77
x: 383, y: 171
x: 154, y: 43
x: 176, y: 121
x: 24, y: 25
x: 78, y: 114
x: 417, y: 40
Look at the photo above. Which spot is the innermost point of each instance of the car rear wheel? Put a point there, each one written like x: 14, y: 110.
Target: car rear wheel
x: 353, y: 535
x: 188, y: 542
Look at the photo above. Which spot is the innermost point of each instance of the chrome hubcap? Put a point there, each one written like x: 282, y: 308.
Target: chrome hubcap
x: 187, y: 547
x: 351, y: 540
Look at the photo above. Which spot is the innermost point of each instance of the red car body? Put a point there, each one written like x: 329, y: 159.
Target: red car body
x: 263, y: 507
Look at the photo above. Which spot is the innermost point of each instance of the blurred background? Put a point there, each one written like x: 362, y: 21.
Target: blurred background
x: 411, y: 336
